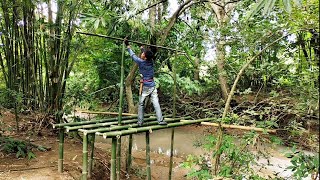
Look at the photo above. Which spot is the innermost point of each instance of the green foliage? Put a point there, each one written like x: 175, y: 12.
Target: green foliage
x: 237, y: 159
x: 9, y: 98
x: 19, y: 148
x: 185, y: 84
x: 303, y: 165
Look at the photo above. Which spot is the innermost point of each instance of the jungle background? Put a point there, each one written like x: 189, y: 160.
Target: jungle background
x: 252, y: 63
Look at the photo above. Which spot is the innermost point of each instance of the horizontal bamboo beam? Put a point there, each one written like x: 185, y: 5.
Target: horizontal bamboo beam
x: 115, y: 128
x: 95, y: 121
x: 151, y: 128
x: 115, y: 122
x: 137, y: 42
x: 108, y: 113
x: 240, y: 127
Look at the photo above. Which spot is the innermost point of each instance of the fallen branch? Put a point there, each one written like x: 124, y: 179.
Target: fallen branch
x: 26, y: 169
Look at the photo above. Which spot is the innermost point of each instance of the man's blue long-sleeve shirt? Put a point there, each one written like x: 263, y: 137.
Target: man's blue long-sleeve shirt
x: 145, y: 68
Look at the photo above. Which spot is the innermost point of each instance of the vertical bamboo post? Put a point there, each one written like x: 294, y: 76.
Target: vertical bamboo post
x: 113, y: 159
x: 85, y: 157
x: 118, y: 157
x: 148, y: 155
x: 61, y: 143
x: 93, y: 137
x: 173, y: 115
x: 121, y: 86
x: 120, y: 114
x: 129, y: 155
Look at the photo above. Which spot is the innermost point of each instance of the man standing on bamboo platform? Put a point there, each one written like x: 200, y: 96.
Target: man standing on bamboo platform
x: 145, y: 63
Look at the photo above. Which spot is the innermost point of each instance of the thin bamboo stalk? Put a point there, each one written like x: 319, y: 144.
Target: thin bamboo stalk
x: 102, y: 125
x: 113, y: 159
x: 129, y: 155
x: 240, y: 127
x: 150, y: 128
x: 137, y: 42
x: 61, y: 143
x: 93, y: 137
x: 85, y: 157
x: 148, y: 155
x: 107, y: 113
x: 118, y: 157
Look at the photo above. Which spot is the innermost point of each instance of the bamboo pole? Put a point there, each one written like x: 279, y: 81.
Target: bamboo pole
x: 84, y: 157
x: 137, y: 42
x: 129, y: 154
x: 174, y: 115
x: 61, y: 144
x: 126, y: 125
x: 121, y: 86
x: 150, y: 128
x: 113, y: 159
x: 120, y: 114
x: 91, y: 122
x: 148, y: 155
x: 107, y: 113
x: 240, y: 127
x: 118, y: 157
x: 91, y: 159
x: 109, y: 123
x: 117, y: 128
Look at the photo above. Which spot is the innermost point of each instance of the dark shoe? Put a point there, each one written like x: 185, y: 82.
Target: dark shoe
x: 139, y: 123
x: 162, y: 123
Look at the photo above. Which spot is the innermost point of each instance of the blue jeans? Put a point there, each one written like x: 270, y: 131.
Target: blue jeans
x: 146, y: 91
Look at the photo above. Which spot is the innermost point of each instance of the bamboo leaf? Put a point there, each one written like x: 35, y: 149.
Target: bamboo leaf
x: 268, y: 6
x: 103, y: 22
x: 287, y: 5
x: 297, y: 2
x: 256, y: 8
x: 96, y: 24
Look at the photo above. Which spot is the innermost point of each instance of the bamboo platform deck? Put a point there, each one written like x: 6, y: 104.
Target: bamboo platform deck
x: 109, y: 128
